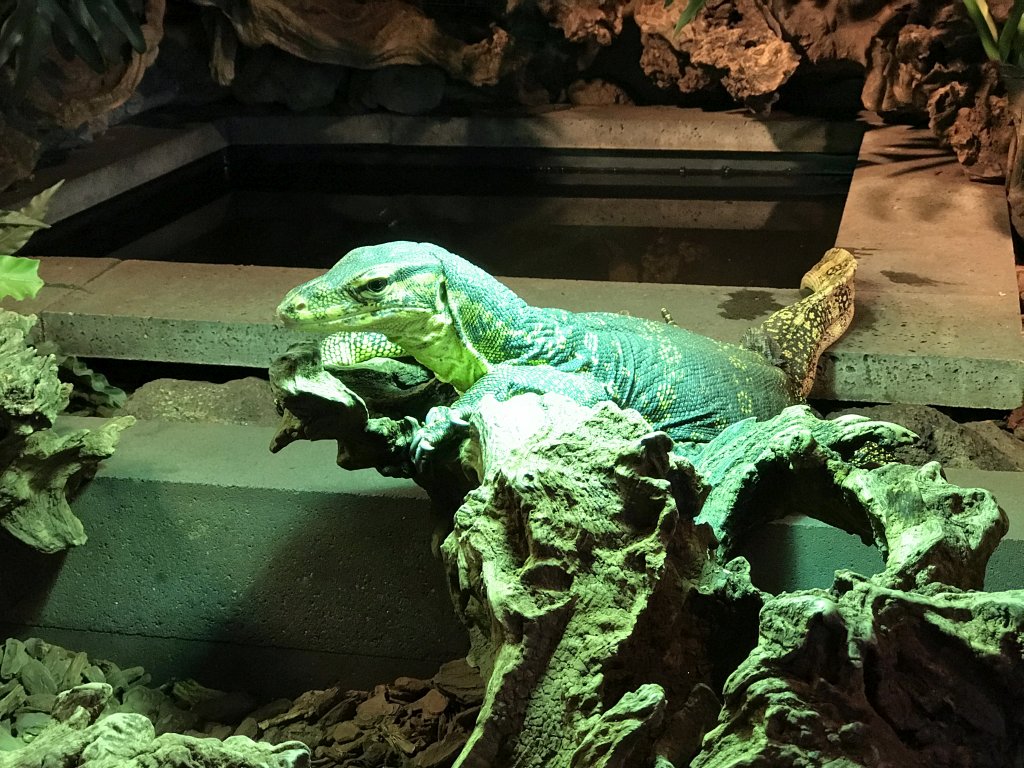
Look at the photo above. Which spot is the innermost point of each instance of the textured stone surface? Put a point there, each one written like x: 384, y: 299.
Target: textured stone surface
x: 595, y: 21
x: 400, y: 88
x: 568, y: 607
x: 242, y: 401
x: 129, y: 741
x: 268, y: 75
x: 865, y: 675
x: 733, y: 44
x: 971, y: 445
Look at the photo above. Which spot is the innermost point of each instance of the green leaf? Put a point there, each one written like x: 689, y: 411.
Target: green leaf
x: 978, y: 11
x: 1010, y: 30
x: 19, y: 277
x: 78, y: 40
x: 91, y: 387
x: 19, y: 219
x: 693, y: 7
x: 16, y: 227
x: 38, y: 205
x: 1016, y: 43
x: 30, y: 55
x: 124, y: 18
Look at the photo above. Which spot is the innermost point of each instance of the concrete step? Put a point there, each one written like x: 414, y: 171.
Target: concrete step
x: 129, y: 155
x: 209, y: 557
x: 910, y: 346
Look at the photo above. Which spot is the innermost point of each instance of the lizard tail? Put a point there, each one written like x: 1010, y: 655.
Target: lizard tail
x: 795, y: 336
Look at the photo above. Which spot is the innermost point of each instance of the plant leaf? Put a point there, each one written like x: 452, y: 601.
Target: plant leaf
x: 30, y: 55
x: 978, y: 11
x: 90, y: 386
x: 1010, y: 31
x: 693, y: 7
x: 11, y: 35
x: 19, y: 277
x: 38, y: 205
x: 126, y: 23
x: 78, y: 38
x: 16, y: 229
x: 1013, y: 55
x: 19, y: 219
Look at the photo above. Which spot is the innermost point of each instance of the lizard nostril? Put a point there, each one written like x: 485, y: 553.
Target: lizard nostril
x: 298, y: 306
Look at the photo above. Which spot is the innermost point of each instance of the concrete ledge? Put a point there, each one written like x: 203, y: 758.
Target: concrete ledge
x: 911, y: 347
x: 209, y: 557
x: 129, y: 155
x: 208, y: 553
x: 633, y: 128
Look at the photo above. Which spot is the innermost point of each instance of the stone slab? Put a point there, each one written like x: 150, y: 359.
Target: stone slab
x: 936, y: 271
x: 131, y: 154
x: 644, y: 128
x: 120, y: 159
x: 912, y: 348
x: 918, y: 225
x: 63, y: 277
x: 199, y: 536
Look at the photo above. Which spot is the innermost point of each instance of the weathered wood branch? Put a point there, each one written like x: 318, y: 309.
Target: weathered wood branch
x: 594, y: 571
x: 40, y: 466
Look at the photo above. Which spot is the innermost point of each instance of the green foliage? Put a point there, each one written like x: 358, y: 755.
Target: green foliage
x: 19, y: 277
x: 1006, y: 45
x: 693, y: 7
x: 95, y: 31
x: 92, y: 393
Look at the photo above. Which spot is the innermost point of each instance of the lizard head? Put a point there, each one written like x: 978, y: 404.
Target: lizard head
x: 387, y: 288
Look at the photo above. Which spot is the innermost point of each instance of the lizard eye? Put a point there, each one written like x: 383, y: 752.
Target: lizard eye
x: 376, y: 285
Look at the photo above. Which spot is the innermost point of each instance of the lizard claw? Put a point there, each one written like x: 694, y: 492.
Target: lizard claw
x: 421, y: 449
x: 442, y: 425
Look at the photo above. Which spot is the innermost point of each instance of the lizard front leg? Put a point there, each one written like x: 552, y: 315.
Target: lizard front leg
x: 444, y: 424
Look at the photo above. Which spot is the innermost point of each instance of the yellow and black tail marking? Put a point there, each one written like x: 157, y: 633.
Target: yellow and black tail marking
x: 798, y: 334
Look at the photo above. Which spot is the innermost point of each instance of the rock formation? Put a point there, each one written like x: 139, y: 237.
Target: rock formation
x: 921, y: 62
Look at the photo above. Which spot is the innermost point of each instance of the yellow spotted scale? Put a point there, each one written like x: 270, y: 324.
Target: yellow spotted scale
x: 417, y: 299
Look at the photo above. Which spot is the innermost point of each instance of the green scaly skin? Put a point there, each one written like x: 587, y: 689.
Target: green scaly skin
x: 419, y: 300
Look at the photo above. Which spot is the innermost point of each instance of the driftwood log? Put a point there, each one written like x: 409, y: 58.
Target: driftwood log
x: 593, y: 569
x: 39, y: 465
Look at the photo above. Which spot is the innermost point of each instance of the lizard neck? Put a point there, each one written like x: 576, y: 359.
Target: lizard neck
x: 436, y: 344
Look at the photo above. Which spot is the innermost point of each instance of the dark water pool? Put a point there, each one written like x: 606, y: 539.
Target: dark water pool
x: 749, y: 219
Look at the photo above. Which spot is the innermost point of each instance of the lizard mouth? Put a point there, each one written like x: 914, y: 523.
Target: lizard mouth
x: 363, y: 320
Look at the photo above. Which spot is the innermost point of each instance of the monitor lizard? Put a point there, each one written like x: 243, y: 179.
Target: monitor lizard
x: 402, y: 299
